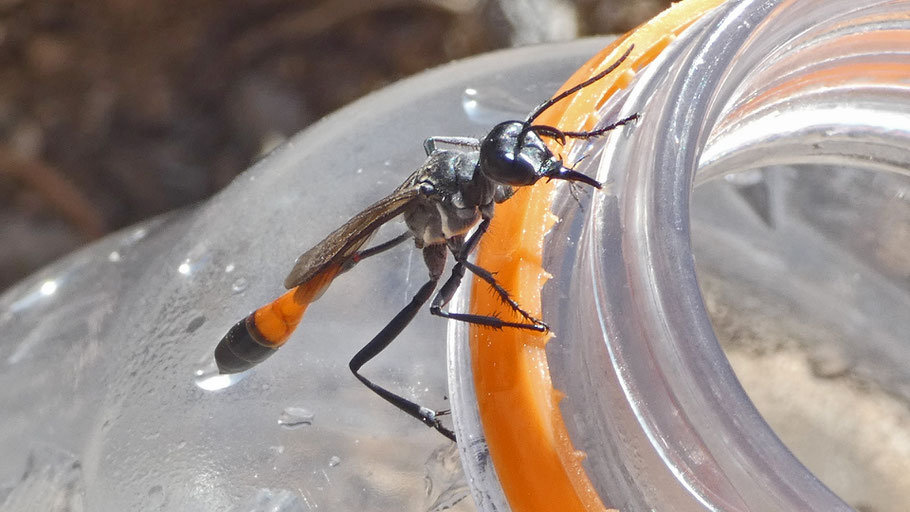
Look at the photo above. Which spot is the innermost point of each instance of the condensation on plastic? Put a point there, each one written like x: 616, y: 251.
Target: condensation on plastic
x: 108, y: 389
x: 651, y: 397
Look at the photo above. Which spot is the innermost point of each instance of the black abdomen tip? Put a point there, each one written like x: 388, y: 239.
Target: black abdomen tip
x: 239, y: 350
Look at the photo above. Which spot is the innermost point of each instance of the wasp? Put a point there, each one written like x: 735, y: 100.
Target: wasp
x: 441, y: 202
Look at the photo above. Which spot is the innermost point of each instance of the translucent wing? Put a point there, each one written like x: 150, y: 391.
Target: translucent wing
x: 342, y: 243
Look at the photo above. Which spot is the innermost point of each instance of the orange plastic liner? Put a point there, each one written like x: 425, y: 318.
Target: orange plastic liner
x: 538, y: 467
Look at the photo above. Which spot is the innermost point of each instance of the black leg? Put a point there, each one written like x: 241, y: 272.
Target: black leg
x: 448, y: 290
x: 429, y: 145
x: 454, y: 281
x: 359, y: 256
x: 376, y: 249
x: 435, y: 259
x: 503, y: 294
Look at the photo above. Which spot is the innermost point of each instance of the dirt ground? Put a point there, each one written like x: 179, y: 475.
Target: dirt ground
x: 112, y: 111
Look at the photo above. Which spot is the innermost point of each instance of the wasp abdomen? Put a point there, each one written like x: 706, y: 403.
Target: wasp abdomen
x: 243, y: 347
x: 256, y: 337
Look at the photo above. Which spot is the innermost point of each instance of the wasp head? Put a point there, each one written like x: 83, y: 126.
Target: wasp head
x: 514, y: 154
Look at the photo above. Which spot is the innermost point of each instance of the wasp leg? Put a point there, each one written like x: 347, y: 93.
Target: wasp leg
x: 448, y: 291
x: 429, y: 145
x: 376, y: 249
x: 454, y: 281
x: 487, y: 276
x: 435, y: 258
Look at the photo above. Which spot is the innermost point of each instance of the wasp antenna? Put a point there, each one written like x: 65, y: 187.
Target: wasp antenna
x: 600, y: 131
x: 559, y: 97
x: 568, y: 92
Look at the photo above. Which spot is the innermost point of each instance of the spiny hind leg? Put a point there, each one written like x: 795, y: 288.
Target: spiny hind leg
x: 461, y: 251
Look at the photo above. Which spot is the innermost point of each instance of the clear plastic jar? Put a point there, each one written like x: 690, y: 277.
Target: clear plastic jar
x: 651, y: 397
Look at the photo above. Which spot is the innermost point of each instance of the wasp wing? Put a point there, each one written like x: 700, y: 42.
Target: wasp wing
x: 342, y: 243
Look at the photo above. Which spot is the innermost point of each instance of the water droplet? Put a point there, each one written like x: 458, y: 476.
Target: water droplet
x: 113, y: 257
x: 136, y: 235
x: 185, y: 268
x: 229, y: 268
x: 195, y: 323
x: 295, y: 417
x: 334, y: 460
x: 239, y: 285
x: 49, y: 287
x: 491, y: 106
x: 745, y: 178
x: 272, y: 500
x: 208, y: 378
x: 156, y: 496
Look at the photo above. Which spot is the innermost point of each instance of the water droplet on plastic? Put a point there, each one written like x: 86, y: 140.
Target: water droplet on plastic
x: 272, y: 500
x: 48, y: 287
x: 334, y: 460
x: 208, y: 378
x: 136, y: 235
x: 295, y: 417
x: 195, y: 323
x: 156, y: 496
x: 745, y: 178
x: 490, y: 107
x: 239, y: 285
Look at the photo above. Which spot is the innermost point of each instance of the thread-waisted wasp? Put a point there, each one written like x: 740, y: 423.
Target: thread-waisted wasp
x: 441, y: 202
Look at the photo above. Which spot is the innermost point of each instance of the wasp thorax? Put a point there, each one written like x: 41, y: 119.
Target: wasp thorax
x: 503, y: 159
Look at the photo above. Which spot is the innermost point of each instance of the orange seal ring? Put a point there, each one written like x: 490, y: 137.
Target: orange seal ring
x: 538, y: 467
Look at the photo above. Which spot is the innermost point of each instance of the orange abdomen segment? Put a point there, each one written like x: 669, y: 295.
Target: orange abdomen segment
x: 274, y: 322
x: 256, y: 337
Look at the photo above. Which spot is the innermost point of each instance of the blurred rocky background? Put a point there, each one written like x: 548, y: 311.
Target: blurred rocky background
x: 112, y: 111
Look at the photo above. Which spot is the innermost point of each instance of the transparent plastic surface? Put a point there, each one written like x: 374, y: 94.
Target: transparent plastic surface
x: 651, y: 396
x: 108, y: 388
